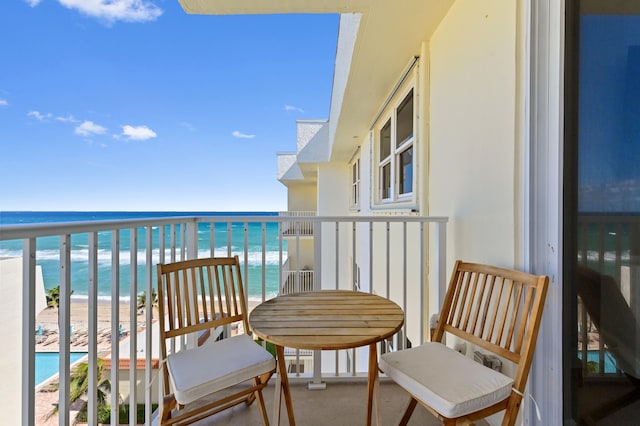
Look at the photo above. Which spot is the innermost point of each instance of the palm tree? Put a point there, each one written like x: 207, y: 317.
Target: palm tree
x: 53, y: 300
x: 53, y: 297
x: 79, y: 384
x: 142, y: 300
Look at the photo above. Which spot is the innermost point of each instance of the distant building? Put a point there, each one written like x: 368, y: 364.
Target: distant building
x: 11, y: 334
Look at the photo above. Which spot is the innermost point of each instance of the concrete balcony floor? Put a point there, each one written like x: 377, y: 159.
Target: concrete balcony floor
x: 342, y: 403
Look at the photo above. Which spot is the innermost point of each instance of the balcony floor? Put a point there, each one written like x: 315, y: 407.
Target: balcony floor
x: 342, y: 403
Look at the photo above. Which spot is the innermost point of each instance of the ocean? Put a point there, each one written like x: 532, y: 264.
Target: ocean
x: 48, y: 256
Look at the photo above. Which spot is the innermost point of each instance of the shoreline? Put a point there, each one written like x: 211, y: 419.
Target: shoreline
x: 83, y: 298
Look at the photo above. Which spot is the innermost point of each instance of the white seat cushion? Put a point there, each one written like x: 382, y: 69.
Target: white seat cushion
x: 197, y: 372
x: 446, y: 380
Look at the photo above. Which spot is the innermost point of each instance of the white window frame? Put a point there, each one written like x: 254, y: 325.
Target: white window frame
x: 405, y: 200
x: 356, y: 187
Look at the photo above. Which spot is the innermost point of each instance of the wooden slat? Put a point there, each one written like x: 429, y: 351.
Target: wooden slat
x: 515, y: 317
x: 505, y: 314
x: 290, y: 329
x: 450, y: 305
x: 365, y: 317
x: 211, y: 291
x: 523, y: 324
x: 219, y: 291
x: 471, y: 302
x: 479, y: 306
x: 192, y: 297
x: 487, y: 305
x: 494, y: 307
x: 178, y: 300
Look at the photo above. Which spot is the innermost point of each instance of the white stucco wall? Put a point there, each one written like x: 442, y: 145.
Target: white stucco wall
x: 302, y: 197
x: 472, y: 130
x: 333, y: 200
x: 472, y: 133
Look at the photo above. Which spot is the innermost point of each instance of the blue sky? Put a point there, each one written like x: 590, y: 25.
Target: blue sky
x: 135, y: 105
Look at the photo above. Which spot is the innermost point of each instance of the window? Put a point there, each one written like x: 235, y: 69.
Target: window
x: 355, y: 184
x: 395, y: 177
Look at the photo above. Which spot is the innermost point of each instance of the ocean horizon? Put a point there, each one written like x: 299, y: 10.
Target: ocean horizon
x: 48, y: 254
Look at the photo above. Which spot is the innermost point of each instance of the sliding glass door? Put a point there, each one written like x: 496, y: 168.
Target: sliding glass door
x: 601, y: 331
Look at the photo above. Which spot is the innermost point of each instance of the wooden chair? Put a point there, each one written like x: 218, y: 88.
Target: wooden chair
x: 495, y: 309
x: 197, y: 296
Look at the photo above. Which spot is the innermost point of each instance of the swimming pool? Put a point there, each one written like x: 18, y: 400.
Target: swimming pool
x: 47, y: 364
x: 594, y: 356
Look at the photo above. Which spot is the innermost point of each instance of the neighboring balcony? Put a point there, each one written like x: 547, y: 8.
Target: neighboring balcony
x: 296, y: 281
x: 386, y: 255
x: 298, y: 227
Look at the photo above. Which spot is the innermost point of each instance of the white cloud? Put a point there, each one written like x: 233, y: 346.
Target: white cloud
x: 138, y: 133
x: 89, y: 128
x: 68, y: 119
x: 115, y: 10
x: 293, y: 108
x: 187, y: 126
x: 39, y: 116
x: 33, y: 3
x: 239, y: 135
x: 3, y: 102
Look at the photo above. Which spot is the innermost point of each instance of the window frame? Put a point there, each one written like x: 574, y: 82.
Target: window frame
x: 356, y: 187
x: 393, y: 161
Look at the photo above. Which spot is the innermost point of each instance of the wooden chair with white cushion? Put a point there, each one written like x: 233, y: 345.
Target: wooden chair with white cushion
x: 497, y: 310
x: 196, y: 296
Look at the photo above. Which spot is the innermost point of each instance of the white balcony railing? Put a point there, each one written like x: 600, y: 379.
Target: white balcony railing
x: 299, y: 226
x: 295, y: 281
x: 384, y: 255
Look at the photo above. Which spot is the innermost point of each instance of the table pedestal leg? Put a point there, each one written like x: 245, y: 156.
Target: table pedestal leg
x: 282, y: 386
x: 373, y: 395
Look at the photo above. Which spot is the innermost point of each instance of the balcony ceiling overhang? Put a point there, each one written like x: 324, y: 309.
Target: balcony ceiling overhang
x: 389, y: 35
x: 249, y: 7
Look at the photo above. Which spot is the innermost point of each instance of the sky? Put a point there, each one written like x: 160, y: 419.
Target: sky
x: 134, y: 105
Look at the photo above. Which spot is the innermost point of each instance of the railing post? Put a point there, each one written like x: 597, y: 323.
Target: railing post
x: 440, y: 263
x: 28, y: 327
x: 149, y: 322
x: 64, y: 321
x: 133, y: 336
x: 115, y: 322
x: 92, y: 392
x: 192, y: 239
x: 316, y: 382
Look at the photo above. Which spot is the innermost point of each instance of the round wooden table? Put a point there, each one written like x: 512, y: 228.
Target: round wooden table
x: 326, y: 320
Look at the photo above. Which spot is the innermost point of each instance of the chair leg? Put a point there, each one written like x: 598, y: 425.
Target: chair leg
x: 168, y: 404
x: 252, y: 396
x: 511, y: 413
x: 263, y: 408
x: 408, y: 412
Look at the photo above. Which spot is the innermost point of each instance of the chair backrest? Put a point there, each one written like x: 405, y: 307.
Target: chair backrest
x: 198, y: 295
x: 496, y: 309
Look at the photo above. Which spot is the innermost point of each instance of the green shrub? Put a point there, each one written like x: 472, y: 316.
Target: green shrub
x: 270, y: 347
x: 104, y: 414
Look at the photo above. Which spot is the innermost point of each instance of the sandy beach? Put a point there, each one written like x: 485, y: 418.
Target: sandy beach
x: 79, y: 315
x: 47, y: 321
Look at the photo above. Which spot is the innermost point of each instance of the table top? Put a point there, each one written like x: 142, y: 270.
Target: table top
x: 326, y: 319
